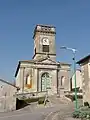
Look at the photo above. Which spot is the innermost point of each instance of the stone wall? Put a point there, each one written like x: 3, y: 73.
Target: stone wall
x: 85, y: 82
x: 63, y: 84
x: 7, y: 100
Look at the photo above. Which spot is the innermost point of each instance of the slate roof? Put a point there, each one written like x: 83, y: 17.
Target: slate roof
x: 83, y: 59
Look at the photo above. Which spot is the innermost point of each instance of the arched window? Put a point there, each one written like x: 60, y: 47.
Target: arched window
x: 62, y: 80
x: 28, y: 81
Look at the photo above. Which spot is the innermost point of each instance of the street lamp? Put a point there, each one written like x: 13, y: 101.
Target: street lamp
x: 74, y: 60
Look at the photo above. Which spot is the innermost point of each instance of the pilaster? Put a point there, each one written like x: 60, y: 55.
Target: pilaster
x: 22, y: 78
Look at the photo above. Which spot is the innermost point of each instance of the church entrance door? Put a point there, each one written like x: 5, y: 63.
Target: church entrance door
x: 45, y: 82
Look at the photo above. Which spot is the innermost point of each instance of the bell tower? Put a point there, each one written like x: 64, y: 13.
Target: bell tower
x: 44, y: 42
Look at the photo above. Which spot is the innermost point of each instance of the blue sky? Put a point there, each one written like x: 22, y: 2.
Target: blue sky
x: 19, y: 17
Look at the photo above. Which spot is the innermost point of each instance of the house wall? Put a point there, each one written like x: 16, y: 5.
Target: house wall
x: 63, y: 84
x: 78, y: 80
x: 65, y: 74
x: 7, y: 100
x: 85, y: 82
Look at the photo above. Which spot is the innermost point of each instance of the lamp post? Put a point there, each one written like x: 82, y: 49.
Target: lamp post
x: 74, y: 62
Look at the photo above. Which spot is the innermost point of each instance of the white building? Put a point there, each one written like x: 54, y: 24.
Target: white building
x: 85, y: 72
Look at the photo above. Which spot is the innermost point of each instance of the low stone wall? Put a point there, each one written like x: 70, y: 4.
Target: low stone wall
x: 30, y: 95
x: 7, y: 103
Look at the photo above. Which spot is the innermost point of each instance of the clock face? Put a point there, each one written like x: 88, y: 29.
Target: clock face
x: 45, y: 41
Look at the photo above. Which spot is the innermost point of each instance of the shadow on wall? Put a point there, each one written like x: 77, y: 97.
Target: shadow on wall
x: 20, y: 104
x: 72, y: 97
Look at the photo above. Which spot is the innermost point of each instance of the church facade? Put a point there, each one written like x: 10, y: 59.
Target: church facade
x: 43, y: 72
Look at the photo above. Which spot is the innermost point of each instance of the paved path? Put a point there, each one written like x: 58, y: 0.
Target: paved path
x: 38, y: 114
x: 58, y: 112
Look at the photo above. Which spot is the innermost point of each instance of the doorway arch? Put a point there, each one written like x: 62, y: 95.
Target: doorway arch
x: 45, y: 81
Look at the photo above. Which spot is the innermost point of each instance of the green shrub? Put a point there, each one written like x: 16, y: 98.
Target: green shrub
x: 88, y: 116
x: 72, y: 97
x: 80, y: 106
x: 86, y: 104
x: 76, y: 114
x: 23, y: 98
x: 41, y: 100
x: 83, y: 115
x: 29, y: 100
x: 79, y: 96
x: 84, y: 108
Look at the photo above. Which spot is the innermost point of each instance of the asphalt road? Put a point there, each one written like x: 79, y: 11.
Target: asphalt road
x: 39, y: 114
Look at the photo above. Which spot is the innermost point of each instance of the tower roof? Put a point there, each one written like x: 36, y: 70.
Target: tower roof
x: 42, y: 25
x: 44, y: 28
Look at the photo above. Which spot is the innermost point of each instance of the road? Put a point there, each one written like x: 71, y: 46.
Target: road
x: 39, y: 114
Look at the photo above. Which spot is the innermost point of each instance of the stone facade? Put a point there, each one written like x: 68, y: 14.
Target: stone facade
x: 7, y: 99
x: 85, y: 72
x: 43, y: 71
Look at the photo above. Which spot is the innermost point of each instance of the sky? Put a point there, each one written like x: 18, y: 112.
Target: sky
x: 18, y: 19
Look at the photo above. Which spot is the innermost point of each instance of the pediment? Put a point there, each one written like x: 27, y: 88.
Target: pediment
x: 47, y: 60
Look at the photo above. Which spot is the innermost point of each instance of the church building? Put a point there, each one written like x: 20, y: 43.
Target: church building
x: 43, y: 72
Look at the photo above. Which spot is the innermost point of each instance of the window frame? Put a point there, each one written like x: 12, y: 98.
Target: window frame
x: 45, y: 48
